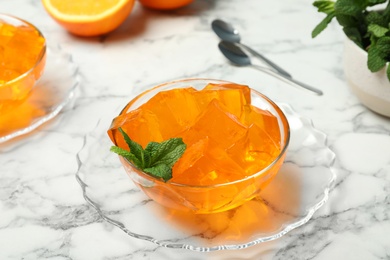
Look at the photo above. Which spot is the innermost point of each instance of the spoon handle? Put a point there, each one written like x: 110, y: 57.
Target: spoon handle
x: 262, y: 57
x: 293, y: 82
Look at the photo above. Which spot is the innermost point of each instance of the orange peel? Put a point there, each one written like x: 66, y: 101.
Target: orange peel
x: 89, y: 17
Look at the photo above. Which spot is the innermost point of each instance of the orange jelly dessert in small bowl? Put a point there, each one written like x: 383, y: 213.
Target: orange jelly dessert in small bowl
x: 22, y: 59
x: 235, y: 141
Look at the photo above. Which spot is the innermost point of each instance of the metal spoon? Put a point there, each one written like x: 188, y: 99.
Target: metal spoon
x: 238, y: 57
x: 227, y: 32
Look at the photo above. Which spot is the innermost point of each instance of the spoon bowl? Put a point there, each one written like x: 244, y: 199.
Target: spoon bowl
x: 234, y: 53
x: 225, y: 31
x: 238, y: 57
x: 228, y: 33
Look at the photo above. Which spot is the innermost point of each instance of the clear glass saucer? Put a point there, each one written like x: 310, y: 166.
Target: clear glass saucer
x: 298, y: 191
x: 53, y: 91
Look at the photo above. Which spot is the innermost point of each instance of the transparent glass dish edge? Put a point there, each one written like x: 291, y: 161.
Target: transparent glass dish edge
x: 285, y: 228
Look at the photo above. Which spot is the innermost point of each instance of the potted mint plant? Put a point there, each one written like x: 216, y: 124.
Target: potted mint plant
x: 366, y: 23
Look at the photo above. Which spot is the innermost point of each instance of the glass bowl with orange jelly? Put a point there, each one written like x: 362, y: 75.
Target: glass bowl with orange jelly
x: 22, y: 59
x: 236, y: 140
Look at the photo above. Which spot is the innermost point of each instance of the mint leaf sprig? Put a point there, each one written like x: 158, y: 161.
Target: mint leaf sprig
x: 367, y: 27
x: 157, y: 159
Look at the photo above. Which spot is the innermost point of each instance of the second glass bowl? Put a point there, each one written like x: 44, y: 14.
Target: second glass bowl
x: 16, y: 39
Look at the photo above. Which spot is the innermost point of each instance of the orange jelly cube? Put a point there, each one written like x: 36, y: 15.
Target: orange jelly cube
x: 205, y: 163
x: 167, y: 106
x: 219, y: 125
x: 225, y: 94
x: 140, y: 125
x: 244, y: 90
x: 263, y: 119
x: 255, y: 150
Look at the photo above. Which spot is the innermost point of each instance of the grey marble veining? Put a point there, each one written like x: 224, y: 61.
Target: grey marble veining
x: 43, y: 214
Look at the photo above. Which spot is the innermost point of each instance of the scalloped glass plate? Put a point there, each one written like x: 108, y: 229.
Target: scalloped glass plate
x: 53, y: 91
x: 299, y: 189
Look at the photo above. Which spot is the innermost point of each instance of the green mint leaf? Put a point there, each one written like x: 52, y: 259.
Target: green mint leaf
x: 355, y: 36
x: 379, y: 54
x: 375, y: 61
x: 147, y: 160
x: 134, y: 147
x: 324, y: 6
x: 161, y: 170
x: 150, y: 152
x: 126, y: 154
x: 322, y: 25
x: 157, y: 159
x: 152, y: 148
x: 377, y: 30
x: 347, y: 21
x: 384, y: 45
x: 368, y: 27
x: 376, y: 18
x: 169, y: 152
x: 350, y: 7
x: 386, y: 13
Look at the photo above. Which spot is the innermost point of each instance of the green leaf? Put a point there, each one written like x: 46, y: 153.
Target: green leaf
x: 134, y: 147
x: 353, y: 34
x: 147, y: 160
x: 375, y: 61
x: 384, y: 44
x: 347, y: 20
x: 376, y: 18
x: 169, y: 152
x: 368, y: 27
x: 350, y: 7
x: 161, y: 171
x: 322, y: 25
x: 379, y: 54
x: 126, y: 154
x: 324, y: 6
x: 377, y: 30
x: 157, y: 159
x: 152, y: 148
x: 386, y: 13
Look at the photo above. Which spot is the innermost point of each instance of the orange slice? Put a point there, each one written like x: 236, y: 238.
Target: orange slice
x: 89, y: 17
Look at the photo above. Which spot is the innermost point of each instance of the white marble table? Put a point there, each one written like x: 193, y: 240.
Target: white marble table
x: 43, y: 214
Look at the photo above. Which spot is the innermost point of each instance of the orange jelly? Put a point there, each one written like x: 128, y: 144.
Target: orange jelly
x: 227, y: 138
x: 22, y: 59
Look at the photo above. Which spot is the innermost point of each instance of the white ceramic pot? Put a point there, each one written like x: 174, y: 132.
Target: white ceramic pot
x: 372, y: 89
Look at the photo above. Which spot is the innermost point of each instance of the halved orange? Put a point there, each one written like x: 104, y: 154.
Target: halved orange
x: 89, y: 17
